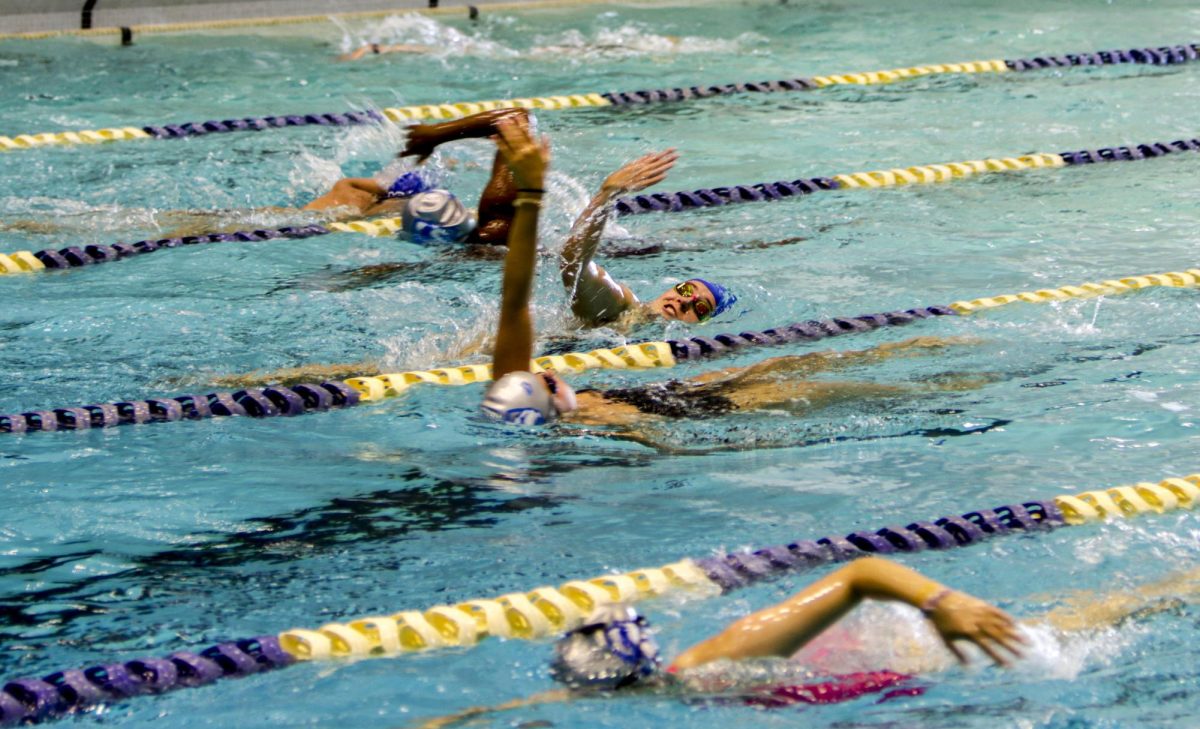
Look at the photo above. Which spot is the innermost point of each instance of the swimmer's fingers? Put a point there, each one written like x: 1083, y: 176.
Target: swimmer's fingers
x: 645, y: 171
x: 513, y: 138
x: 958, y: 654
x: 999, y: 640
x: 526, y: 155
x: 986, y: 646
x: 418, y: 143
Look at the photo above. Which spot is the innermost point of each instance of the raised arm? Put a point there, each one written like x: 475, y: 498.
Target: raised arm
x: 424, y: 138
x: 528, y: 158
x: 595, y: 296
x: 783, y: 629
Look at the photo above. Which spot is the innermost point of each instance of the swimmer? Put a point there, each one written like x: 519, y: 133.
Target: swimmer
x: 614, y: 650
x: 667, y: 44
x: 519, y: 396
x: 597, y: 298
x: 433, y: 215
x: 377, y: 49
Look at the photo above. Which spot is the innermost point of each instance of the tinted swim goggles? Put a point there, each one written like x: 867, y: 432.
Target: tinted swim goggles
x: 687, y: 291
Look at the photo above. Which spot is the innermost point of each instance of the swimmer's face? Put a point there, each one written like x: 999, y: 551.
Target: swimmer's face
x: 562, y: 393
x: 690, y: 302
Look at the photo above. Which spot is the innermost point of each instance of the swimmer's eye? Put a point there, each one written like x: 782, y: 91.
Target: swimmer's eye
x: 687, y: 291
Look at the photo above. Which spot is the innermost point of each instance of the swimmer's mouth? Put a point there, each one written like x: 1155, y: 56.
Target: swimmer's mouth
x: 670, y: 308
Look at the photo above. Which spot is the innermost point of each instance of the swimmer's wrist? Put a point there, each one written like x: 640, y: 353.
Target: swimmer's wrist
x: 528, y: 198
x: 930, y: 604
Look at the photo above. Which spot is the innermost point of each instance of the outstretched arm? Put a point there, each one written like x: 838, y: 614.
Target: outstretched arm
x: 595, y: 296
x: 783, y: 629
x: 546, y: 697
x: 424, y: 138
x: 528, y: 159
x: 378, y: 49
x: 811, y: 363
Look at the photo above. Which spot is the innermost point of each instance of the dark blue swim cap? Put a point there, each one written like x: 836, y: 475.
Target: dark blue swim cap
x: 723, y: 297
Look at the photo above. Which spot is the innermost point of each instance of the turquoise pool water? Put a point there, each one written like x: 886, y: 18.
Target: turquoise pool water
x: 139, y: 541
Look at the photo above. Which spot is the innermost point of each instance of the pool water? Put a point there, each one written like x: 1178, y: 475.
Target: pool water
x: 138, y: 541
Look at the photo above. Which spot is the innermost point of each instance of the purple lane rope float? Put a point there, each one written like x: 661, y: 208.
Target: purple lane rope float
x: 546, y: 611
x: 1154, y: 56
x: 76, y: 256
x: 298, y: 399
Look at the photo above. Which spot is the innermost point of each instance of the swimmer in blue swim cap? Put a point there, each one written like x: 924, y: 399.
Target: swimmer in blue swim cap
x: 614, y: 651
x: 596, y: 297
x: 439, y: 218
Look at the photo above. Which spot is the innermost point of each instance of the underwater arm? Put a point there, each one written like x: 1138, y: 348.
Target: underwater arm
x: 830, y: 361
x: 528, y: 159
x: 1087, y: 610
x: 595, y: 296
x: 546, y: 697
x: 783, y: 629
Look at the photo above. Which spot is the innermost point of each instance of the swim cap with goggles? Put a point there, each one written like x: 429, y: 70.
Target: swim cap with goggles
x: 722, y: 297
x: 614, y: 649
x: 519, y: 397
x: 436, y: 216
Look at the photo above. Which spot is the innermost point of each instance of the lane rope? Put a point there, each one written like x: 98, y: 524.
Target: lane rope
x: 298, y: 399
x: 547, y: 611
x: 664, y: 202
x: 79, y: 256
x: 1156, y: 56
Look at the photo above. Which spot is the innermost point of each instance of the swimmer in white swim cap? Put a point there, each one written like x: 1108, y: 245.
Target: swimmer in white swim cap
x: 436, y: 216
x: 527, y: 399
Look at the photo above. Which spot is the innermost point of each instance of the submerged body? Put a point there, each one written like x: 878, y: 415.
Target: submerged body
x: 777, y: 383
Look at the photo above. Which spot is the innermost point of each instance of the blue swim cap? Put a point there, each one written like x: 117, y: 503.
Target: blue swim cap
x: 723, y: 297
x: 612, y: 650
x: 436, y: 216
x: 407, y: 185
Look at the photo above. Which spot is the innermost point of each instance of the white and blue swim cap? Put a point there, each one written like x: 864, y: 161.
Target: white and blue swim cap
x: 436, y: 216
x: 519, y: 397
x: 612, y: 650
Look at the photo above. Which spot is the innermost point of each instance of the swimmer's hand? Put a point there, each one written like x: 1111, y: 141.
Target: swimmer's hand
x: 959, y: 616
x: 422, y: 140
x: 527, y: 155
x: 641, y: 173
